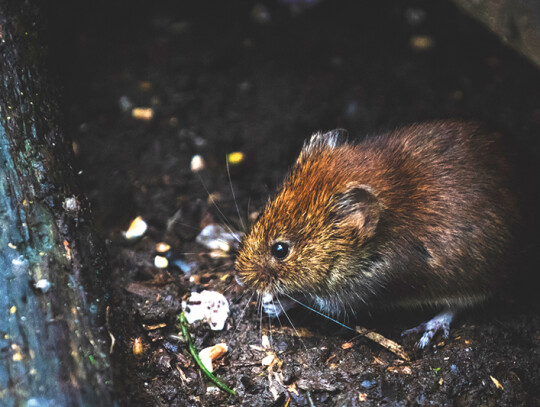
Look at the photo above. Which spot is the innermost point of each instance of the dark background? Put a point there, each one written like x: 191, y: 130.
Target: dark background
x: 259, y: 77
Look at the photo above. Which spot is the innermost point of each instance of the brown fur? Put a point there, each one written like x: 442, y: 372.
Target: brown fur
x: 419, y: 216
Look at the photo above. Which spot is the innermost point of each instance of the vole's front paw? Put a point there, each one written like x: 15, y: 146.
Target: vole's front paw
x: 440, y: 322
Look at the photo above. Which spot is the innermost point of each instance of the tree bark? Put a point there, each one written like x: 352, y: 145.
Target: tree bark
x: 53, y: 271
x: 515, y: 22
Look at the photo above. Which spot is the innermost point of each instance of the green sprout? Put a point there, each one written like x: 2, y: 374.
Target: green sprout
x: 195, y: 355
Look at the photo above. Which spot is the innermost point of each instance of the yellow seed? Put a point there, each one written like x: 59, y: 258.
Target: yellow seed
x: 145, y: 85
x: 138, y: 347
x: 143, y: 113
x: 235, y: 158
x: 163, y: 247
x: 421, y: 42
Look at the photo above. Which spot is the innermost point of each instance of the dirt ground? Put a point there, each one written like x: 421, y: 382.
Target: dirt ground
x: 258, y: 78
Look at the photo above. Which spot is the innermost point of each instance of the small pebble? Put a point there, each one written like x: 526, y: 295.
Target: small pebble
x: 197, y: 163
x: 161, y: 262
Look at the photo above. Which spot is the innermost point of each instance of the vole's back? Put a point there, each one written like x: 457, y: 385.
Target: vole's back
x: 449, y: 210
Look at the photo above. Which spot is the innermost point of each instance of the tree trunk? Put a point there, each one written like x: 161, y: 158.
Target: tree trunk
x: 53, y: 344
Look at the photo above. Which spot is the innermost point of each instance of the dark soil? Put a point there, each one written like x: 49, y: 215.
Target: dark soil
x: 225, y: 76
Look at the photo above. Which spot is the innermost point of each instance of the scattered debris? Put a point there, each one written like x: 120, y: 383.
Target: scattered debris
x: 68, y: 250
x: 216, y: 237
x: 389, y: 344
x: 187, y: 268
x: 137, y: 347
x: 195, y: 355
x: 415, y: 16
x: 209, y: 306
x: 108, y: 326
x: 268, y: 360
x: 161, y: 262
x: 421, y: 42
x: 154, y: 327
x: 212, y: 353
x: 72, y: 205
x: 136, y: 229
x: 197, y: 163
x: 125, y: 104
x: 44, y: 285
x: 265, y: 342
x: 142, y: 113
x: 497, y: 383
x: 145, y: 85
x: 162, y: 247
x: 260, y: 14
x: 235, y: 158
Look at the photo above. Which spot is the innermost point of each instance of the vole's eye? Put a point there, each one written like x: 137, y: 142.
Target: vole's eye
x: 280, y: 250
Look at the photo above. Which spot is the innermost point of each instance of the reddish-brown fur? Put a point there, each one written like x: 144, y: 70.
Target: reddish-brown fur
x: 419, y: 216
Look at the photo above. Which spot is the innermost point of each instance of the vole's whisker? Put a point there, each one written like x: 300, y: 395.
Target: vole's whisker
x: 290, y: 322
x: 320, y: 313
x: 227, y: 224
x: 353, y: 312
x: 249, y: 202
x: 242, y: 314
x: 234, y: 196
x: 202, y: 254
x: 277, y: 314
x: 188, y: 226
x: 200, y: 230
x: 270, y: 330
x: 259, y: 310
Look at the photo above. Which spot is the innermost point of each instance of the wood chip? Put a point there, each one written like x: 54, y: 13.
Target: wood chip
x: 268, y: 360
x: 137, y: 347
x: 212, y: 353
x: 154, y: 327
x: 497, y: 383
x: 389, y: 344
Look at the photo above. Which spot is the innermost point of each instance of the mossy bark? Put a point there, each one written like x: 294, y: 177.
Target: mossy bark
x: 53, y: 343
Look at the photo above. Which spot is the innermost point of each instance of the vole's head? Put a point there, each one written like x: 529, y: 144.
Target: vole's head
x: 316, y: 224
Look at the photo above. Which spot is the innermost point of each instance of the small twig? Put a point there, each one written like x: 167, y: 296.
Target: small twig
x: 113, y: 339
x: 245, y: 364
x: 195, y: 355
x: 389, y: 344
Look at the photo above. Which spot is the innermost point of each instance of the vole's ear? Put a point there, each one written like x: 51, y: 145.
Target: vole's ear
x: 321, y: 141
x: 358, y: 207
